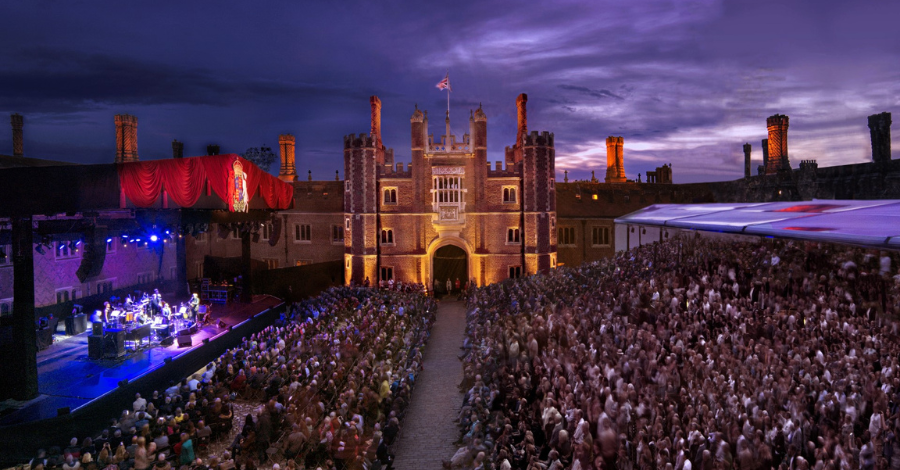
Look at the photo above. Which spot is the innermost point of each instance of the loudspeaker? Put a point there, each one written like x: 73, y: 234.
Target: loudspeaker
x: 97, y: 329
x: 62, y: 411
x: 185, y: 341
x: 113, y: 343
x: 94, y: 256
x: 95, y: 346
x: 167, y: 341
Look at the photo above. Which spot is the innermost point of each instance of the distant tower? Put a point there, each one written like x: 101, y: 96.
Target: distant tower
x: 746, y: 160
x: 18, y: 145
x: 212, y: 149
x: 177, y: 149
x: 777, y: 126
x: 880, y: 130
x: 615, y: 160
x: 539, y: 201
x: 288, y: 172
x: 126, y: 138
x: 360, y: 209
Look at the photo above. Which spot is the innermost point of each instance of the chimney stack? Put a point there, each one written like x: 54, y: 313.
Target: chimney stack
x: 615, y: 160
x: 126, y: 138
x: 521, y: 125
x: 177, y: 149
x: 880, y: 130
x: 18, y: 145
x: 777, y: 126
x: 746, y: 160
x: 212, y: 149
x: 376, y: 129
x: 288, y: 172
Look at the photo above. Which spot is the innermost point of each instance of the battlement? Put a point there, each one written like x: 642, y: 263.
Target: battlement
x: 389, y: 171
x: 363, y: 140
x: 512, y: 169
x: 542, y: 139
x: 777, y: 120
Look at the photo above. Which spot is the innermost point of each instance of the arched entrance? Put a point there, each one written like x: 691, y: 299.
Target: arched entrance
x: 449, y: 262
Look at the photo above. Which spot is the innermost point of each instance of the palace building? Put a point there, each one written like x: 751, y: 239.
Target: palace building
x: 449, y: 214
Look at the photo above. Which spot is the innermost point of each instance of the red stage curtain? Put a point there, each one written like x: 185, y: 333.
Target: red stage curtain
x: 183, y: 179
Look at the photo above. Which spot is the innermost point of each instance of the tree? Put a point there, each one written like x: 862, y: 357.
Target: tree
x: 260, y: 156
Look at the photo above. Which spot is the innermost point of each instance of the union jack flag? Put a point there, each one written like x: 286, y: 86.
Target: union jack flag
x: 445, y: 83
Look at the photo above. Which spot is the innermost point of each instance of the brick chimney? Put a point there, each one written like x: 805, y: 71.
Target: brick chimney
x: 18, y: 145
x: 777, y: 126
x: 177, y: 149
x: 126, y: 138
x: 376, y: 129
x: 212, y: 149
x: 880, y: 130
x: 288, y: 172
x: 521, y: 125
x: 746, y: 160
x: 615, y: 164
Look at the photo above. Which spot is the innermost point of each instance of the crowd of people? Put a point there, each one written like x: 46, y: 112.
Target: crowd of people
x: 332, y: 380
x: 693, y: 353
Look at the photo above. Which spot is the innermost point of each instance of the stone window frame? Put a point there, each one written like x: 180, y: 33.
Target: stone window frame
x: 301, y: 234
x: 148, y: 275
x: 603, y: 229
x: 513, y: 236
x: 65, y: 298
x: 389, y: 196
x: 8, y: 304
x: 510, y: 271
x: 265, y: 230
x: 510, y: 194
x: 564, y: 240
x: 302, y: 262
x: 69, y: 254
x: 271, y: 263
x: 334, y: 231
x: 381, y: 271
x: 387, y: 236
x: 111, y: 245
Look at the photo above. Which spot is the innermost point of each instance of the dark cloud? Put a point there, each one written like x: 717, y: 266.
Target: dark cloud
x: 684, y: 82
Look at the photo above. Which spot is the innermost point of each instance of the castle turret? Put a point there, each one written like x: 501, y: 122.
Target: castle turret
x: 126, y: 138
x: 777, y: 126
x: 18, y: 122
x: 288, y: 171
x: 880, y: 130
x: 177, y: 149
x: 539, y: 201
x: 360, y: 209
x: 746, y: 160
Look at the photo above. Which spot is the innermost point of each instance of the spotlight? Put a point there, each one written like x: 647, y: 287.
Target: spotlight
x: 109, y: 240
x: 154, y: 238
x: 77, y: 242
x: 167, y: 232
x: 137, y: 240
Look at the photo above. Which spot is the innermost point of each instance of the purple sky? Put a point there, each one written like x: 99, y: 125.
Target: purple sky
x: 683, y: 81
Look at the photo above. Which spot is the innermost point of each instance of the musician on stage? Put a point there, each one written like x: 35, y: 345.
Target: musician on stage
x: 155, y: 301
x: 166, y: 311
x: 107, y: 313
x: 195, y: 305
x: 129, y: 302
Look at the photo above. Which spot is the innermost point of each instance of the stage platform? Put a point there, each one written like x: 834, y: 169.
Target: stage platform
x: 67, y: 378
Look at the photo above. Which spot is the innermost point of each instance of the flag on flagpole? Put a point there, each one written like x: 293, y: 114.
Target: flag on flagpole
x: 445, y: 83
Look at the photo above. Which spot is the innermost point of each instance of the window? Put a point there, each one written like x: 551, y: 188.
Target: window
x: 111, y: 245
x: 64, y: 250
x: 104, y: 286
x: 552, y: 261
x: 198, y: 268
x: 62, y: 296
x: 566, y: 236
x: 5, y: 254
x: 6, y: 307
x: 512, y: 235
x: 387, y: 273
x: 145, y: 278
x: 552, y: 222
x: 76, y: 294
x: 594, y: 197
x: 200, y: 237
x: 390, y: 195
x: 302, y: 233
x: 304, y: 262
x: 515, y: 272
x: 347, y: 223
x: 337, y: 234
x: 235, y: 233
x: 265, y: 231
x: 509, y: 194
x: 347, y: 185
x: 387, y: 236
x: 552, y: 183
x: 271, y: 263
x: 600, y: 236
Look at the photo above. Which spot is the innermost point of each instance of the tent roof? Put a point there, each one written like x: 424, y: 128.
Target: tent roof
x: 873, y: 224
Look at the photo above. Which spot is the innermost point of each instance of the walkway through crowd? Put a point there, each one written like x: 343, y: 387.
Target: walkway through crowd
x: 428, y: 428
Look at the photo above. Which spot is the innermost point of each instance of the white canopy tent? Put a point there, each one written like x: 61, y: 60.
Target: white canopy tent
x: 872, y: 224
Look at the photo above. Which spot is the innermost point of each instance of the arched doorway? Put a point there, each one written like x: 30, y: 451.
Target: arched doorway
x: 449, y: 262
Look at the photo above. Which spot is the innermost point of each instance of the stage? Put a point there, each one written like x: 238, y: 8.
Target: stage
x: 67, y: 378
